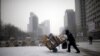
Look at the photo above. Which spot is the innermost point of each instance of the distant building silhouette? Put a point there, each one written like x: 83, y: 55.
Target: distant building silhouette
x: 45, y: 26
x: 87, y: 17
x: 33, y: 26
x: 61, y: 30
x: 40, y: 31
x: 69, y: 19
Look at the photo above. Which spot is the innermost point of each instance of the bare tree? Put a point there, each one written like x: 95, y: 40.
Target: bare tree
x: 11, y: 31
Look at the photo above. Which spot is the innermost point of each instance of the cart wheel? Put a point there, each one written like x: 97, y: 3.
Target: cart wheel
x: 55, y: 50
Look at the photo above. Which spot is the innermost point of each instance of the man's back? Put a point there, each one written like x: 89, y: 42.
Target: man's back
x: 70, y: 37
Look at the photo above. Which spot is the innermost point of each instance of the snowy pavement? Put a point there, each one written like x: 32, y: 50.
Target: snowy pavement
x: 35, y: 51
x: 94, y: 47
x: 89, y: 50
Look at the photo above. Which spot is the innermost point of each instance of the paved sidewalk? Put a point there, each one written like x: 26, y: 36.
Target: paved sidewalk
x: 94, y: 47
x: 35, y: 51
x: 43, y: 51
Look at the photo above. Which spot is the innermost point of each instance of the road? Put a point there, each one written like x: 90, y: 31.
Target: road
x: 86, y: 50
x: 36, y: 51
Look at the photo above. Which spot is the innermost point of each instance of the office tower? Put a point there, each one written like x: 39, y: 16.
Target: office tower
x: 69, y: 21
x: 45, y: 26
x: 87, y: 17
x: 33, y: 26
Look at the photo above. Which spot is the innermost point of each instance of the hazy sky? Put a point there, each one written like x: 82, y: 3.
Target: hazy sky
x: 17, y: 12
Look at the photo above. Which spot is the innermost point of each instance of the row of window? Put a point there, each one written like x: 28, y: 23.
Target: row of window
x: 95, y: 18
x: 92, y: 18
x: 92, y: 7
x: 88, y: 5
x: 97, y: 25
x: 88, y: 2
x: 95, y: 12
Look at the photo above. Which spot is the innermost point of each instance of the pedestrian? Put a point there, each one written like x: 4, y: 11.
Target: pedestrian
x: 71, y: 40
x: 90, y: 39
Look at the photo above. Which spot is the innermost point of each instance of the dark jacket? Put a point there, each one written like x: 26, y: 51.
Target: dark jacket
x: 70, y: 36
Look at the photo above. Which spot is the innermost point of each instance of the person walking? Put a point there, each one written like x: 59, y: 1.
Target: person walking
x: 90, y: 39
x: 71, y: 41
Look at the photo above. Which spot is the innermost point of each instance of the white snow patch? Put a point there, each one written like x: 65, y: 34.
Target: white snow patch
x: 34, y: 51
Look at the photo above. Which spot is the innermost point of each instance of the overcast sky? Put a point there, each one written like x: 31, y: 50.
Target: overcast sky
x: 17, y: 12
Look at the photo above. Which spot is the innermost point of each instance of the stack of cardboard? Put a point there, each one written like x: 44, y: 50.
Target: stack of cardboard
x: 62, y: 38
x: 53, y: 42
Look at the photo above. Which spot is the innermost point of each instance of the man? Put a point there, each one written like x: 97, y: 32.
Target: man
x: 71, y: 41
x: 90, y: 39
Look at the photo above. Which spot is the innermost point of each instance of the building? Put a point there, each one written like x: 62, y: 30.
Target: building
x: 0, y: 18
x: 88, y: 18
x: 80, y: 19
x: 61, y: 30
x: 40, y: 31
x: 33, y: 26
x: 0, y: 14
x: 45, y: 26
x: 92, y: 8
x: 69, y: 21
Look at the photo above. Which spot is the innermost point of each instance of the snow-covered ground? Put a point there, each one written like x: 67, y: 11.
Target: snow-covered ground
x: 94, y: 47
x: 35, y: 51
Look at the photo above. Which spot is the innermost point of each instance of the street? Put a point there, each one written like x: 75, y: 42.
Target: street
x: 90, y: 53
x: 34, y: 51
x: 43, y: 51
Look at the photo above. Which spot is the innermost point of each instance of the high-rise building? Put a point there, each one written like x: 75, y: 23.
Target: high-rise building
x: 69, y: 21
x: 61, y: 30
x: 0, y: 13
x: 88, y: 17
x: 40, y: 31
x: 33, y: 26
x: 80, y: 19
x: 45, y: 26
x: 92, y: 8
x: 0, y: 17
